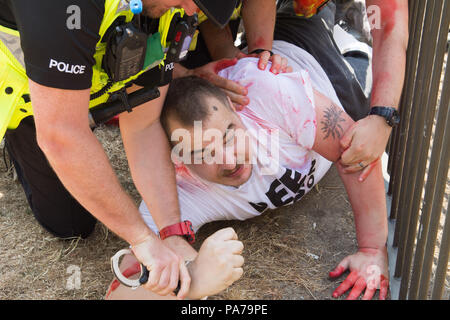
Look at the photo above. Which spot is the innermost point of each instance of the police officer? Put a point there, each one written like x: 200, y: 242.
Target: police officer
x: 61, y: 165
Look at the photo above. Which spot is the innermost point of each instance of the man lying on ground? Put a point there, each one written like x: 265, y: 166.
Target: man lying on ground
x: 266, y: 156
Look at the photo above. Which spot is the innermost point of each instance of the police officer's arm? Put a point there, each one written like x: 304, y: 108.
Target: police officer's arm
x: 148, y: 152
x: 220, y: 42
x: 80, y: 162
x: 367, y: 139
x: 259, y: 23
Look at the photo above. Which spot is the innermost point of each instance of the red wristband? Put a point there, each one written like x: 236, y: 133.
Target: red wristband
x: 179, y: 229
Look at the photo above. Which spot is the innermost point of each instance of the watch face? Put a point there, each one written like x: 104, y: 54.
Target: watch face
x: 395, y: 119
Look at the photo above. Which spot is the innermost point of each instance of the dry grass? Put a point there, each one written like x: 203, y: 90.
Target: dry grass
x: 288, y: 252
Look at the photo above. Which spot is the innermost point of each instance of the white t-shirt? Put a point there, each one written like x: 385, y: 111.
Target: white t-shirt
x: 280, y: 104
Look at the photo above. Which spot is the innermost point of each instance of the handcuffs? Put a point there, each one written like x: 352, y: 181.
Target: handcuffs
x: 184, y: 229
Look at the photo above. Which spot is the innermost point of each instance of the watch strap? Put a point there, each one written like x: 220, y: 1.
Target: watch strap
x: 258, y: 51
x: 389, y: 113
x: 184, y: 229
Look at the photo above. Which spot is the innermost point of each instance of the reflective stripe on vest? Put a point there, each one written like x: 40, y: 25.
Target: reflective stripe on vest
x: 11, y: 40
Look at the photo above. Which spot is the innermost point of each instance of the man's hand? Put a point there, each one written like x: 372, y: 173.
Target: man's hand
x: 236, y: 92
x: 166, y: 268
x: 368, y: 270
x: 363, y: 145
x: 218, y: 264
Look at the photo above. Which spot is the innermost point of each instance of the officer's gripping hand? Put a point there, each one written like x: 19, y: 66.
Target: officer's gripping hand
x: 166, y: 268
x: 236, y: 92
x: 363, y: 145
x: 279, y: 64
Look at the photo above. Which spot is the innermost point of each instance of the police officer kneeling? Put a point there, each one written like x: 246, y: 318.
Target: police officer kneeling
x: 75, y: 54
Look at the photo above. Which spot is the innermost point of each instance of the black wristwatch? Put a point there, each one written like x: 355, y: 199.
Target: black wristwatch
x: 258, y: 51
x: 390, y: 114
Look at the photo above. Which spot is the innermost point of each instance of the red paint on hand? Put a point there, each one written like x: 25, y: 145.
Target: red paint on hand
x: 260, y: 43
x: 347, y: 284
x: 384, y: 285
x: 337, y: 272
x: 224, y: 63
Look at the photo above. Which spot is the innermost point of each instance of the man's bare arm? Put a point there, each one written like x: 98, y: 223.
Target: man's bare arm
x: 368, y: 203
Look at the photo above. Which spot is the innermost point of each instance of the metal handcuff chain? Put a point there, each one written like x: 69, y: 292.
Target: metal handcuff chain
x: 143, y: 276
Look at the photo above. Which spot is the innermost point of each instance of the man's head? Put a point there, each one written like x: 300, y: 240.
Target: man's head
x: 218, y: 11
x: 206, y: 132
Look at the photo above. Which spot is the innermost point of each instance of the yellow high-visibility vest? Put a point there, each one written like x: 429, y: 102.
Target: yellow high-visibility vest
x: 15, y: 103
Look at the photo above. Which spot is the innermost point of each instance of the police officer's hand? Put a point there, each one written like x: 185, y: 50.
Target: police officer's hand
x: 166, y: 268
x: 279, y: 63
x: 236, y: 92
x: 363, y: 145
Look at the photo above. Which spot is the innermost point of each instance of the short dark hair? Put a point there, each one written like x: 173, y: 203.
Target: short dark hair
x: 186, y: 99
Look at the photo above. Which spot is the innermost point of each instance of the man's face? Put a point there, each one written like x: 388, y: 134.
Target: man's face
x: 156, y: 8
x: 217, y: 150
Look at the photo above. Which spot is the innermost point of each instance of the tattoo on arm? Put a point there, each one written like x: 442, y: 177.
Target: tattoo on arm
x: 331, y: 122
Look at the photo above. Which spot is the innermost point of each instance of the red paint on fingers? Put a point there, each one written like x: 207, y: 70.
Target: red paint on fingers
x: 357, y: 289
x: 347, y: 284
x: 337, y: 272
x: 384, y: 287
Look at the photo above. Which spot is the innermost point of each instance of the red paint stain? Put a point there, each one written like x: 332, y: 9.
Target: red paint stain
x: 262, y: 123
x: 248, y: 85
x: 223, y: 64
x: 131, y: 271
x: 388, y: 11
x: 187, y: 181
x: 182, y: 171
x: 337, y: 272
x: 381, y: 80
x: 260, y: 43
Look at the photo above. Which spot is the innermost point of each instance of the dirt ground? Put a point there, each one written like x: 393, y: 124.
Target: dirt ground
x: 288, y: 252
